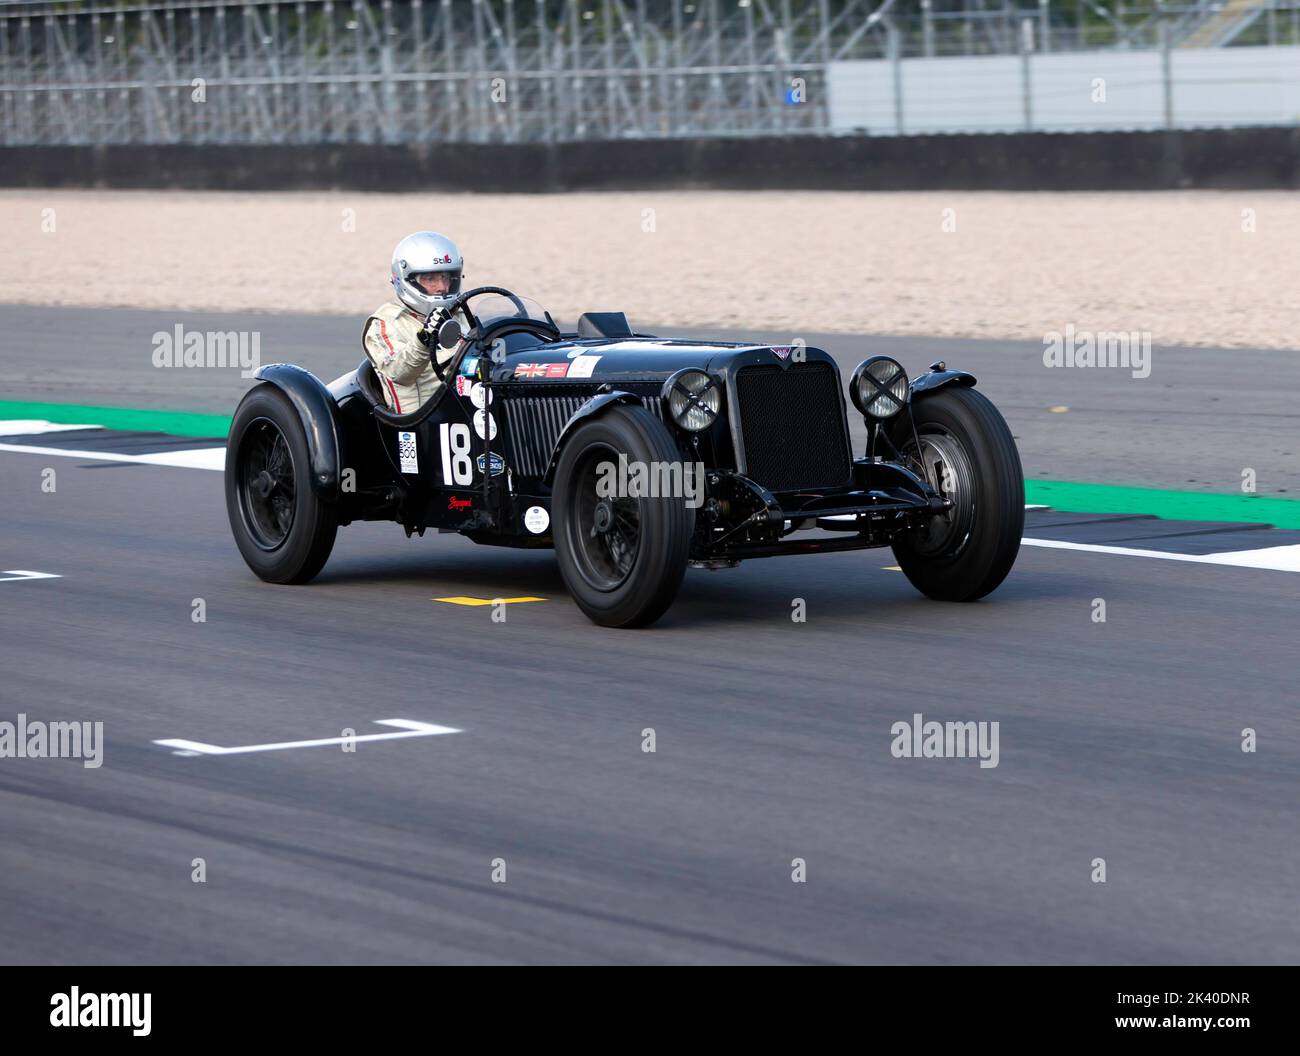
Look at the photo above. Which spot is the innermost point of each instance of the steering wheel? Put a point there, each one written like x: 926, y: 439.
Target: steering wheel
x: 522, y: 322
x: 459, y: 303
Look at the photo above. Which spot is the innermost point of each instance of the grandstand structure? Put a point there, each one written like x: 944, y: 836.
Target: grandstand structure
x: 467, y: 71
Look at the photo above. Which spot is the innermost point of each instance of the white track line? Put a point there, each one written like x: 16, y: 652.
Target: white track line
x: 1275, y: 558
x: 409, y: 727
x: 1280, y: 558
x: 195, y: 458
x: 35, y: 426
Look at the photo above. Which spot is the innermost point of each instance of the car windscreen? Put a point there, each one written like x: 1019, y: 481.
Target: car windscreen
x: 492, y: 307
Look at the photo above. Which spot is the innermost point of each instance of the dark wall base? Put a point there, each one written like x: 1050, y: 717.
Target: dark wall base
x: 1221, y: 158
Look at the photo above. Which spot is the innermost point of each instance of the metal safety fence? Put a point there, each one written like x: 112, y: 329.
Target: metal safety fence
x: 428, y: 71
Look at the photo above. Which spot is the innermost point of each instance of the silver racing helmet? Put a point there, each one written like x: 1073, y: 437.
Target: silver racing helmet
x: 420, y: 254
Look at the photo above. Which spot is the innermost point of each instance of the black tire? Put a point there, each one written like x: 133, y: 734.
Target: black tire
x: 282, y: 528
x: 966, y: 553
x: 626, y: 573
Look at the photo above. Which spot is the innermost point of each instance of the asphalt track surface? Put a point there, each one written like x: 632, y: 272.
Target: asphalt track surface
x: 1118, y: 740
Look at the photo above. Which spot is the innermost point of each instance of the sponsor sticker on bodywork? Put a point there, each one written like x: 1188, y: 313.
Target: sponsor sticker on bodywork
x: 498, y: 464
x: 583, y: 366
x: 536, y: 519
x: 406, y: 453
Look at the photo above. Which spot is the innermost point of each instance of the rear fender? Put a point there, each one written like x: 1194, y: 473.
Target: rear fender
x: 315, y: 407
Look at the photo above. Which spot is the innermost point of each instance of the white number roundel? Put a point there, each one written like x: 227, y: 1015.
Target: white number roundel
x: 479, y: 426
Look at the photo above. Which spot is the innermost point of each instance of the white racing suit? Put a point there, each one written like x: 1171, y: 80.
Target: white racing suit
x: 402, y: 363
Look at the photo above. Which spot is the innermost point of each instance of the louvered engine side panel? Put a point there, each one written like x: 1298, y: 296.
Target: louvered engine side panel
x: 534, y: 424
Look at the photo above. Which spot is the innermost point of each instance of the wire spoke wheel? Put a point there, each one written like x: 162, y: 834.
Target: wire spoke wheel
x: 963, y: 448
x: 267, y: 489
x: 606, y: 531
x: 945, y: 463
x: 283, y: 527
x: 622, y: 556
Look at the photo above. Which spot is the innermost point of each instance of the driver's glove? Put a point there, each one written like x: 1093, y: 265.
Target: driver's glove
x: 428, y: 334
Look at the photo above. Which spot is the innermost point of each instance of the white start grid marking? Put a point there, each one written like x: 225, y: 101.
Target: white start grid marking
x: 408, y: 728
x: 15, y: 574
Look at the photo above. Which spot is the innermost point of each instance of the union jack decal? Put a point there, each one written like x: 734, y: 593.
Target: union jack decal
x: 541, y: 370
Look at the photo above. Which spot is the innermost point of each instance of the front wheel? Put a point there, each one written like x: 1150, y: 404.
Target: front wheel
x: 622, y: 557
x: 281, y: 526
x: 967, y: 452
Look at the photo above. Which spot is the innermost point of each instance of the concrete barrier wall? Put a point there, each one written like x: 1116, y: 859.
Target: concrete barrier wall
x: 1220, y: 158
x: 1067, y: 91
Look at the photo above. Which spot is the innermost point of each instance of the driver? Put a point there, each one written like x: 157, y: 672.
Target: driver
x: 402, y: 335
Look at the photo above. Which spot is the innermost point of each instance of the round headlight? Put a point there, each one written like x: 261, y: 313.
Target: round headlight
x: 879, y: 387
x: 693, y: 398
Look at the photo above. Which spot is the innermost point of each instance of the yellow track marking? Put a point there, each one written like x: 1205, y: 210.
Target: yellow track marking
x: 485, y: 601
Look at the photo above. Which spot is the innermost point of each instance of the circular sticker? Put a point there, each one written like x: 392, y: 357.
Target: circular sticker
x: 537, y: 520
x: 491, y: 425
x: 476, y: 391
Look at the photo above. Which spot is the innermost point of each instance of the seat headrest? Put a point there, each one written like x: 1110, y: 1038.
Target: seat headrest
x: 603, y: 324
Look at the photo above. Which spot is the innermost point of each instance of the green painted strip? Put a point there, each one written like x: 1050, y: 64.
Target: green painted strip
x: 1060, y: 494
x: 1172, y: 505
x: 176, y: 423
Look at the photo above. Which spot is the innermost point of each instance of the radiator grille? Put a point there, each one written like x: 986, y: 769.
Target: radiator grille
x: 792, y: 424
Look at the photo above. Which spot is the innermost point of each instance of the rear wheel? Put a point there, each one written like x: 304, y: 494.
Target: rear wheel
x: 284, y: 531
x: 967, y: 452
x: 621, y: 557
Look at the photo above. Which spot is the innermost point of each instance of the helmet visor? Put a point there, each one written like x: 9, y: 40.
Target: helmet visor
x: 437, y: 283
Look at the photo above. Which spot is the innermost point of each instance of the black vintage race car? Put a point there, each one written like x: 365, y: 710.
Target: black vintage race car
x: 633, y: 457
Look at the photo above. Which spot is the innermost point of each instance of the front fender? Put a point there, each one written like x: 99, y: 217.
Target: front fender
x: 940, y: 379
x: 595, y: 405
x: 315, y: 407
